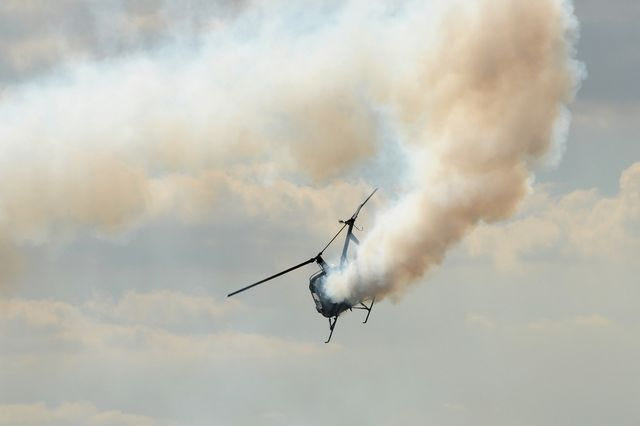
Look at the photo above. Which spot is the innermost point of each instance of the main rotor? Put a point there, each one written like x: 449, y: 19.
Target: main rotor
x: 349, y: 224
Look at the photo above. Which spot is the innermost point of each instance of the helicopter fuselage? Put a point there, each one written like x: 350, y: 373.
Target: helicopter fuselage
x: 324, y: 304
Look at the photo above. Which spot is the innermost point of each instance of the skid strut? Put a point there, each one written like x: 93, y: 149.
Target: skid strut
x: 366, y: 308
x: 332, y: 323
x: 331, y: 327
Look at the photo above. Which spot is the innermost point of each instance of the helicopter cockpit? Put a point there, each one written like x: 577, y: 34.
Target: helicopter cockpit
x: 324, y: 304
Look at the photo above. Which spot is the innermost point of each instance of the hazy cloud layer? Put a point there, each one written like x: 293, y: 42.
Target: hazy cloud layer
x: 582, y: 223
x: 75, y: 413
x: 116, y: 330
x: 39, y: 36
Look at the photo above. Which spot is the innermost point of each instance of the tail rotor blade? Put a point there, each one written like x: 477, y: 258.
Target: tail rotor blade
x: 313, y: 259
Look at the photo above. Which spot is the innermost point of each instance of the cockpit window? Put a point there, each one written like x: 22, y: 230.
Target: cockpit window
x: 316, y: 299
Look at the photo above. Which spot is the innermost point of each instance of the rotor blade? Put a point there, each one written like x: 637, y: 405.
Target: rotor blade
x: 334, y: 237
x: 355, y: 215
x: 306, y: 262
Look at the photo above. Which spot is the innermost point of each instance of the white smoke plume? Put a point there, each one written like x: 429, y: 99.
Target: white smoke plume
x: 294, y: 96
x: 489, y: 104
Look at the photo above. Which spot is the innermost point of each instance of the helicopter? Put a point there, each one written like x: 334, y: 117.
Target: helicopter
x: 317, y: 282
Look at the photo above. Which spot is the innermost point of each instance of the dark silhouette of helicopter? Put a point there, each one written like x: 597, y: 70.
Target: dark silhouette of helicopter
x: 324, y: 304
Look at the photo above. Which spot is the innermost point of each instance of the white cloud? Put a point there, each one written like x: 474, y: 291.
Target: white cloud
x: 131, y: 330
x: 40, y: 36
x: 162, y: 308
x: 582, y: 223
x: 71, y: 414
x: 71, y: 351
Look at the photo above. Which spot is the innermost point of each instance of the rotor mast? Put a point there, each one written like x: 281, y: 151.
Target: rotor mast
x: 351, y: 223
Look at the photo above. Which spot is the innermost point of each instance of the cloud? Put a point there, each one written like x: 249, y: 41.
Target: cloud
x: 479, y: 320
x: 582, y: 224
x: 174, y: 132
x: 71, y: 413
x: 166, y: 326
x: 115, y: 198
x: 40, y: 36
x: 162, y: 308
x: 579, y: 322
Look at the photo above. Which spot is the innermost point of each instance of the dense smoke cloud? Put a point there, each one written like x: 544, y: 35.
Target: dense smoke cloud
x: 101, y: 146
x: 292, y: 97
x: 490, y: 103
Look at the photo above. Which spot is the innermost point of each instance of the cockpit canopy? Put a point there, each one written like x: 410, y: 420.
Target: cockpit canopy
x: 324, y: 304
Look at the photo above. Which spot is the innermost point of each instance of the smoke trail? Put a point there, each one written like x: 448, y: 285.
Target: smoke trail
x: 291, y: 93
x: 491, y: 104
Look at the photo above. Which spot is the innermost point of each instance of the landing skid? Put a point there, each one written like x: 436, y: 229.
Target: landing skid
x: 332, y: 322
x: 331, y: 327
x: 366, y: 308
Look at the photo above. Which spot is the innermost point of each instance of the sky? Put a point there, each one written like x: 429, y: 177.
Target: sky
x: 157, y: 155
